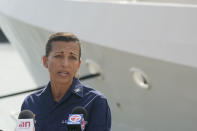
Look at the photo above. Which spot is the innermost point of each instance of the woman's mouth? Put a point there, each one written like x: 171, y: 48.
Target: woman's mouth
x: 64, y: 74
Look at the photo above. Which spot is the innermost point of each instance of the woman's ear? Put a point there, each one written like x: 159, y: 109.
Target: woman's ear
x: 45, y: 61
x: 79, y: 63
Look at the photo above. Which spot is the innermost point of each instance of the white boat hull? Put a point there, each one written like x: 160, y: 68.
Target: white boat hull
x: 160, y: 40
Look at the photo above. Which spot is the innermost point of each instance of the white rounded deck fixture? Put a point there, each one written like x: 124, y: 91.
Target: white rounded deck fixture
x: 93, y: 67
x: 140, y: 78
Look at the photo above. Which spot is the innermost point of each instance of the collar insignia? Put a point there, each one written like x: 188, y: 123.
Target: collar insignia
x: 77, y: 90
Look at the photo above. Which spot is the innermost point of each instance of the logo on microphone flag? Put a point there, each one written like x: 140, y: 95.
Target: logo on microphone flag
x: 27, y: 124
x: 76, y: 119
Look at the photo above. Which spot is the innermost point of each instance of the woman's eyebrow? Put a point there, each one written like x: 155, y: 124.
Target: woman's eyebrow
x: 59, y: 52
x: 73, y: 53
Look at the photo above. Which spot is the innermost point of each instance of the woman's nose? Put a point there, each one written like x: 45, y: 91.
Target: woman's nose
x: 65, y: 62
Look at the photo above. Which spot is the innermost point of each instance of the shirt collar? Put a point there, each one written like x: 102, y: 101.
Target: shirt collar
x: 76, y: 88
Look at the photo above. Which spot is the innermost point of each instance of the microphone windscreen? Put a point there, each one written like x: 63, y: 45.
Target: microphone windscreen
x: 26, y: 114
x: 80, y: 110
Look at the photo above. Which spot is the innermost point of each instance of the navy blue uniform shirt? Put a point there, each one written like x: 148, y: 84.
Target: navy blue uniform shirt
x: 51, y: 115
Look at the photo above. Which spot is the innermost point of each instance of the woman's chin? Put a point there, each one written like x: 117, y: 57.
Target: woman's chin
x: 64, y: 80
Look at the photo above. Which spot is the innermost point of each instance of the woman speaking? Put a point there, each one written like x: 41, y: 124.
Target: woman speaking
x: 53, y: 104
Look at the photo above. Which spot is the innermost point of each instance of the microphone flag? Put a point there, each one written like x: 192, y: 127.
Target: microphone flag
x: 25, y: 125
x: 76, y: 121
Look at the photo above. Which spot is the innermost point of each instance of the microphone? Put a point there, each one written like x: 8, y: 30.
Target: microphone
x: 25, y: 121
x: 77, y: 120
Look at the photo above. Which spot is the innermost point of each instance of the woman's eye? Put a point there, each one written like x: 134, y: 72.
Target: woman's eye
x: 57, y: 56
x: 73, y: 57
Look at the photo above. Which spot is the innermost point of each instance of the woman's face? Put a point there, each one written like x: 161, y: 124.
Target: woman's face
x: 63, y: 61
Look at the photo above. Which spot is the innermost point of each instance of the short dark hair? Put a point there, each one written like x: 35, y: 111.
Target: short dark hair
x: 61, y: 36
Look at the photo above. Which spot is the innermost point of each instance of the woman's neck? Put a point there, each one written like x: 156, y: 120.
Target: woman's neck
x: 59, y: 90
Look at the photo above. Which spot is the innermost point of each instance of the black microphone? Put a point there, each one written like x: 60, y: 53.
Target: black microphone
x: 25, y: 121
x: 77, y: 120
